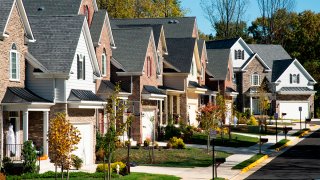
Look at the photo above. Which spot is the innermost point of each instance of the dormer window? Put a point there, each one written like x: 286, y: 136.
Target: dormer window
x: 239, y: 54
x: 14, y: 63
x: 294, y: 78
x: 81, y: 64
x: 255, y: 79
x: 104, y: 63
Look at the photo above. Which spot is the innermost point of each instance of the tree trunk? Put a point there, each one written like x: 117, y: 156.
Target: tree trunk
x: 104, y: 166
x: 208, y: 143
x: 56, y: 171
x: 68, y: 173
x: 109, y: 166
x: 61, y: 171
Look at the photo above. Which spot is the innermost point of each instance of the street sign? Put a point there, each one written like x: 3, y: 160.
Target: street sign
x: 300, y: 108
x: 276, y: 116
x: 213, y: 134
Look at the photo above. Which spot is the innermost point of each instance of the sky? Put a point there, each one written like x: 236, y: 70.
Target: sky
x: 194, y: 9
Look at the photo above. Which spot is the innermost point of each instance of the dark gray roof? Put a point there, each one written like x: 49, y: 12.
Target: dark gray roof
x: 21, y: 95
x: 200, y: 46
x: 180, y: 53
x: 177, y: 27
x: 218, y: 63
x: 57, y: 40
x: 221, y: 44
x: 194, y: 84
x: 5, y: 9
x: 270, y: 53
x: 151, y: 89
x: 97, y: 25
x: 109, y: 87
x: 132, y: 47
x: 279, y: 66
x: 52, y: 7
x: 127, y: 23
x: 169, y: 88
x: 229, y: 89
x: 83, y: 95
x: 295, y: 89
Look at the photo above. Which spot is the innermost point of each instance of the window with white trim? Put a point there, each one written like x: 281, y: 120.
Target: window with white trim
x: 294, y: 78
x: 81, y: 66
x: 239, y: 54
x: 255, y: 79
x: 14, y: 63
x: 104, y: 63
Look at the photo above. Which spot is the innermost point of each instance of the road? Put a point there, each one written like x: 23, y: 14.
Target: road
x: 301, y: 161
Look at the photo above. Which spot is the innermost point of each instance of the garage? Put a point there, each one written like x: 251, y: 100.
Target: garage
x: 85, y: 146
x: 292, y: 110
x: 147, y: 124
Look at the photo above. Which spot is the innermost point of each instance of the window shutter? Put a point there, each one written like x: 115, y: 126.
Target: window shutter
x: 298, y: 78
x: 235, y: 54
x: 150, y: 67
x: 290, y: 78
x: 242, y: 57
x: 78, y: 66
x: 84, y: 67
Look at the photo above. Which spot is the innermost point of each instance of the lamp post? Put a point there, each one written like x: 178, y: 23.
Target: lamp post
x: 300, y: 109
x: 276, y: 118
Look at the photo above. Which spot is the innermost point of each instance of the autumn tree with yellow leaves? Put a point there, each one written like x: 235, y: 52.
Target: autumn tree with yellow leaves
x: 62, y: 137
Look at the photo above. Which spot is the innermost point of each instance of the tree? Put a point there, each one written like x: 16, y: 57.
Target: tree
x: 225, y: 16
x: 30, y: 157
x: 62, y: 137
x: 263, y: 102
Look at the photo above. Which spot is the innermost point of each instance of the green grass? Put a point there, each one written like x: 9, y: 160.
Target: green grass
x: 279, y: 144
x: 298, y: 133
x: 237, y: 140
x: 248, y: 161
x: 254, y: 129
x: 189, y: 157
x: 95, y: 176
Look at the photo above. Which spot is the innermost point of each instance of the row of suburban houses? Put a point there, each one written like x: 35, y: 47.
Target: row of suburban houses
x: 68, y: 56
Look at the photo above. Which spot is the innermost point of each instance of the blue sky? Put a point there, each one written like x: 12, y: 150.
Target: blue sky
x: 252, y: 12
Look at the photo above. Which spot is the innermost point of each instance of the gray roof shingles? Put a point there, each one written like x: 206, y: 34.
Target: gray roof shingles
x: 56, y: 41
x: 51, y: 7
x: 5, y: 9
x: 200, y: 46
x: 97, y: 24
x: 221, y: 44
x: 218, y: 63
x: 132, y: 47
x: 288, y: 89
x: 21, y: 95
x: 177, y: 27
x: 279, y: 66
x: 83, y: 95
x: 151, y: 89
x: 180, y: 53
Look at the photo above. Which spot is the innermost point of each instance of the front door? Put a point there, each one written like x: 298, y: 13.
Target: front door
x: 147, y: 124
x: 255, y: 106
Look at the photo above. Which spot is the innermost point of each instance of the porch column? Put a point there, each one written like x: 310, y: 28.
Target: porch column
x: 45, y: 132
x: 210, y: 99
x: 250, y: 105
x: 25, y: 118
x: 178, y: 104
x: 166, y: 108
x: 171, y: 105
x: 214, y: 100
x: 160, y: 109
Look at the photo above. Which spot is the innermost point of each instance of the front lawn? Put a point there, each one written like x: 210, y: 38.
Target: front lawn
x: 237, y: 140
x: 96, y: 176
x: 279, y: 144
x: 247, y: 162
x: 254, y: 129
x: 189, y: 157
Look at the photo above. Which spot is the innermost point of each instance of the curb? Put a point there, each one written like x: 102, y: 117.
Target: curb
x: 283, y: 146
x: 244, y: 170
x: 304, y: 133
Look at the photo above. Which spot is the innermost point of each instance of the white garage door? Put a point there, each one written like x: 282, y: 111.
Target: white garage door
x: 147, y: 124
x: 292, y: 110
x: 192, y: 111
x: 85, y: 146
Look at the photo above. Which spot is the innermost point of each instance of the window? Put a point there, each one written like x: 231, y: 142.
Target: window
x: 149, y: 67
x: 294, y: 78
x: 239, y: 54
x: 234, y: 78
x: 202, y: 72
x: 159, y: 65
x: 14, y: 63
x: 104, y: 63
x: 81, y: 66
x: 255, y: 79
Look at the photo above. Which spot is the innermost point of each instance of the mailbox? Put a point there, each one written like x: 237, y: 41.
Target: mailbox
x: 220, y: 160
x: 263, y: 140
x: 287, y: 129
x: 308, y: 120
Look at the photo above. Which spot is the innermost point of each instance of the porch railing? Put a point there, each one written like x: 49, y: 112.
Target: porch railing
x: 13, y: 151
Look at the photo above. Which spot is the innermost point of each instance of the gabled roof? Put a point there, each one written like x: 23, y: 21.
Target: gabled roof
x: 57, y: 42
x: 255, y: 55
x: 99, y: 18
x: 83, y: 95
x: 5, y: 11
x: 132, y: 47
x: 200, y: 46
x: 109, y: 87
x: 152, y: 90
x: 270, y: 53
x: 180, y: 53
x: 221, y: 44
x: 175, y: 27
x: 218, y: 63
x: 278, y: 68
x: 54, y: 7
x: 21, y: 95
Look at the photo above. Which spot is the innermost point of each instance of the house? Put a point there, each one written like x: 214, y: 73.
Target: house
x: 62, y: 67
x: 134, y: 65
x: 291, y: 85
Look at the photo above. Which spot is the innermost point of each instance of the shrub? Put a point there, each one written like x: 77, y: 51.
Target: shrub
x: 156, y: 145
x: 177, y: 143
x: 169, y: 145
x: 30, y: 157
x: 100, y: 154
x: 252, y: 121
x: 119, y: 144
x: 172, y: 131
x: 7, y: 165
x: 113, y: 167
x: 76, y: 161
x: 146, y: 143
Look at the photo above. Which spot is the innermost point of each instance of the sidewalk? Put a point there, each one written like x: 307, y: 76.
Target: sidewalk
x: 224, y: 170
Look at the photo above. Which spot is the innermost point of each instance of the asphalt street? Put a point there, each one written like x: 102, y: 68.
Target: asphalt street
x: 301, y: 161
